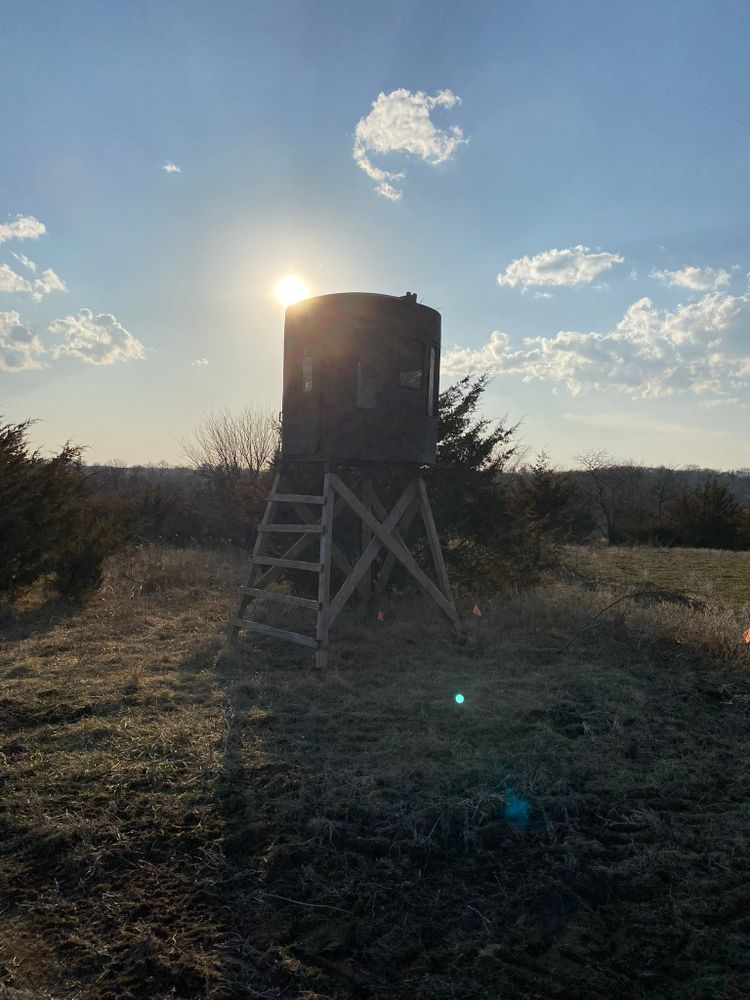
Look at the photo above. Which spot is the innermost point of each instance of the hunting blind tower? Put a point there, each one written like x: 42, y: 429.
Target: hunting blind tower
x: 360, y: 397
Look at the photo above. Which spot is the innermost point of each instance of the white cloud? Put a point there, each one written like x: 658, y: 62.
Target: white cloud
x: 171, y: 168
x: 577, y: 265
x: 400, y: 123
x: 12, y: 282
x: 19, y: 348
x: 23, y: 259
x: 47, y: 282
x: 97, y: 340
x: 543, y: 295
x: 701, y: 347
x: 23, y: 227
x: 697, y: 279
x: 200, y: 362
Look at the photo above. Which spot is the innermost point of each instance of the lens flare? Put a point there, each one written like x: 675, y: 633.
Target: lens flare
x: 459, y: 699
x: 290, y: 289
x: 516, y: 810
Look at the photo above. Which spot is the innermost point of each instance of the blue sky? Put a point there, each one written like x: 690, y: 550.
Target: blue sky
x: 594, y: 156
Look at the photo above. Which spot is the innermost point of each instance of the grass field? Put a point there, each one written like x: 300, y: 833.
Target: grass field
x: 181, y: 821
x: 706, y: 572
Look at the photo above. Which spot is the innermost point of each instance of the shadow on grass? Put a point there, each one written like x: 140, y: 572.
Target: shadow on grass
x: 19, y: 623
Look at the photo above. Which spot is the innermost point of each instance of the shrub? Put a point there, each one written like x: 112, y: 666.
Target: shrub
x: 49, y: 525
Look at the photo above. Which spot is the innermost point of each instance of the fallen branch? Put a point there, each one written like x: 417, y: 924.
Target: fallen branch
x: 671, y: 596
x: 300, y: 902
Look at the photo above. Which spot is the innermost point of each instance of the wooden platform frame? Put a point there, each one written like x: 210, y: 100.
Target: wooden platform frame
x: 380, y: 530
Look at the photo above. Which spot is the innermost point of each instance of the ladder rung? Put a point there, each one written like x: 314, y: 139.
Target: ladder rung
x: 275, y: 595
x: 277, y: 633
x: 296, y: 498
x: 292, y: 529
x: 286, y: 563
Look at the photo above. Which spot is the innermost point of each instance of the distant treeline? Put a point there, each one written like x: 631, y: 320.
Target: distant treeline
x: 501, y: 522
x: 626, y: 504
x: 621, y: 503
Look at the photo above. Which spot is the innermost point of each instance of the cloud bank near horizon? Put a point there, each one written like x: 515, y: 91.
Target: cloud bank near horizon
x: 701, y: 348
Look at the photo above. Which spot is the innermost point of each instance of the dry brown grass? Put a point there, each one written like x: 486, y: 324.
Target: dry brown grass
x: 181, y: 821
x: 710, y: 572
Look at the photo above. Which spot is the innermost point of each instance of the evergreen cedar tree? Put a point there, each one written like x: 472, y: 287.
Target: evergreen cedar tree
x: 706, y: 518
x: 490, y: 536
x: 50, y: 523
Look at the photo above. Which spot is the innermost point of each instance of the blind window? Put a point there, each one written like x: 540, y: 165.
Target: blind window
x: 307, y: 373
x: 410, y: 374
x: 366, y: 389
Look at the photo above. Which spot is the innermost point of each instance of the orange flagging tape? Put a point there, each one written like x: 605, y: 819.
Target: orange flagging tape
x: 477, y: 611
x: 746, y: 636
x: 381, y: 616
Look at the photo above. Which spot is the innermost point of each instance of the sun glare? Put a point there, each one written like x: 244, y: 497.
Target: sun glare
x: 290, y: 289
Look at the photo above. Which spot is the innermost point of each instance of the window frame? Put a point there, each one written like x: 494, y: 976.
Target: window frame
x: 432, y: 381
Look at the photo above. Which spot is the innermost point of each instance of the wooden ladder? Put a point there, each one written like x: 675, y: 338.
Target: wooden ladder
x: 265, y: 569
x: 381, y: 530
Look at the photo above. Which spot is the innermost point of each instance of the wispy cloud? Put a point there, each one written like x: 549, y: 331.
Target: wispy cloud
x: 199, y: 362
x: 23, y: 227
x: 20, y: 349
x: 700, y: 347
x: 577, y: 265
x: 171, y: 168
x: 697, y: 279
x: 400, y: 123
x: 48, y: 281
x: 24, y: 260
x: 625, y: 420
x: 97, y: 340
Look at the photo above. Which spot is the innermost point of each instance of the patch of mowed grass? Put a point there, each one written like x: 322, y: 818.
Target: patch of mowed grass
x: 184, y: 820
x: 708, y: 572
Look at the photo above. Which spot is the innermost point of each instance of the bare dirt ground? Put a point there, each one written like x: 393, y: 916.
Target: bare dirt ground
x: 179, y: 821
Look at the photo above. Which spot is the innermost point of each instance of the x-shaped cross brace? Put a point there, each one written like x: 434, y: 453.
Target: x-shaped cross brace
x: 386, y: 536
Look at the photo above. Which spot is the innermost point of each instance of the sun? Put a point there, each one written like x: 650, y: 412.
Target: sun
x: 290, y: 289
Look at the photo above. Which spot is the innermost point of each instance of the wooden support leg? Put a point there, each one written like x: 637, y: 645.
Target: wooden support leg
x: 437, y: 553
x: 324, y: 576
x: 339, y: 558
x: 366, y: 586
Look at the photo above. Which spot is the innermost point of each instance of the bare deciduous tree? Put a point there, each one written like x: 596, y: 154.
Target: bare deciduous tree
x: 603, y: 482
x: 228, y: 444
